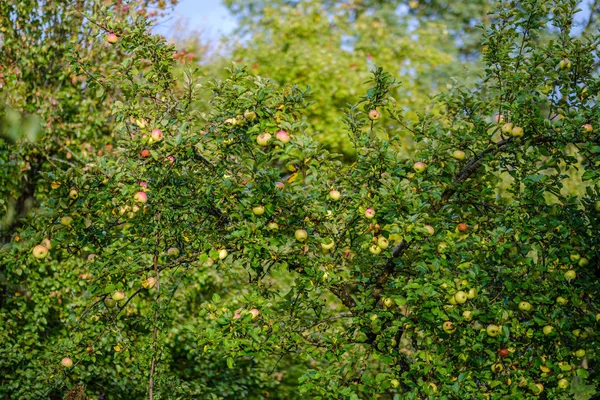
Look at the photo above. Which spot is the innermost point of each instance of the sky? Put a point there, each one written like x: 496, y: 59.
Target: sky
x: 208, y: 16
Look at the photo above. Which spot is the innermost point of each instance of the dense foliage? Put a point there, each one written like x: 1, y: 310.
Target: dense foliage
x: 165, y: 236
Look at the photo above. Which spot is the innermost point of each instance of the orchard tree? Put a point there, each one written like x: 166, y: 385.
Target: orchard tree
x: 226, y: 254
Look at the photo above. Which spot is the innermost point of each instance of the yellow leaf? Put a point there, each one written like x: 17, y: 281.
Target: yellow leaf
x: 544, y: 368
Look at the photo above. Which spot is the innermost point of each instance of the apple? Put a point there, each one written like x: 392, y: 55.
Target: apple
x: 507, y: 128
x: 539, y: 388
x: 237, y: 315
x: 497, y: 367
x: 574, y: 257
x: 91, y: 257
x: 66, y: 221
x: 524, y: 306
x: 263, y: 139
x: 374, y: 115
x: 145, y: 153
x: 66, y: 362
x: 374, y: 317
x: 587, y: 128
x: 503, y: 353
x: 209, y: 262
x: 442, y: 246
x: 517, y: 131
x: 597, y: 206
x: 493, y: 330
x: 459, y: 155
x: 112, y: 38
x: 254, y: 313
x: 563, y: 383
x: 561, y: 300
x: 548, y: 329
x: 258, y: 210
x: 583, y: 262
x: 433, y: 387
x: 173, y: 252
x: 273, y: 226
x: 375, y: 249
x: 135, y: 208
x: 597, y: 317
x: 580, y: 353
x: 570, y: 275
x: 279, y: 185
x: 47, y: 243
x: 301, y: 235
x: 388, y: 302
x: 448, y: 327
x: 222, y: 254
x: 282, y: 136
x: 250, y: 115
x: 157, y: 135
x: 395, y: 383
x: 140, y: 197
x: 467, y: 315
x: 565, y: 63
x: 383, y: 242
x: 369, y: 213
x: 460, y: 297
x: 327, y: 245
x: 472, y: 293
x: 110, y: 303
x: 576, y: 332
x: 462, y: 227
x: 73, y: 194
x: 118, y: 295
x: 499, y: 118
x: 430, y: 229
x: 419, y: 167
x: 335, y: 195
x: 148, y: 283
x: 452, y: 300
x: 40, y: 252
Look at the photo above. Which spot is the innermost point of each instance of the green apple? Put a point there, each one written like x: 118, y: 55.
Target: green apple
x: 548, y: 329
x: 209, y: 262
x: 576, y: 332
x: 597, y: 206
x: 327, y: 244
x: 382, y: 242
x: 430, y: 229
x: 301, y: 235
x: 110, y: 303
x: 73, y: 194
x: 419, y: 167
x: 563, y: 383
x: 565, y: 63
x: 250, y: 115
x: 149, y: 283
x: 273, y: 226
x: 467, y: 315
x: 173, y: 252
x: 258, y: 210
x: 335, y: 195
x: 375, y: 249
x: 570, y: 275
x: 442, y: 246
x: 460, y: 297
x: 524, y: 306
x: 66, y: 221
x: 539, y: 388
x: 493, y: 330
x: 472, y: 293
x: 507, y: 128
x: 118, y: 295
x: 497, y: 367
x: 263, y: 139
x: 395, y: 383
x: 448, y: 327
x: 580, y: 353
x: 561, y: 300
x: 388, y: 302
x: 459, y: 155
x: 517, y: 131
x: 583, y: 262
x: 66, y: 362
x: 574, y: 257
x: 40, y: 252
x: 222, y: 254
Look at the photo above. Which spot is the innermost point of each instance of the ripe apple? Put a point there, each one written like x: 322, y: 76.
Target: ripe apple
x: 279, y: 185
x: 369, y: 213
x: 561, y: 300
x: 335, y: 195
x: 273, y: 226
x: 587, y: 128
x: 548, y: 329
x: 493, y: 330
x: 570, y: 275
x: 472, y: 293
x: 118, y: 295
x: 282, y: 136
x: 517, y: 131
x: 563, y: 383
x: 524, y: 306
x: 430, y: 229
x: 263, y: 139
x: 507, y: 128
x: 157, y: 135
x: 250, y: 115
x: 301, y: 235
x: 580, y: 353
x: 374, y: 115
x: 140, y: 197
x: 395, y: 383
x: 66, y: 362
x: 110, y: 303
x: 258, y: 210
x: 388, y: 302
x: 460, y: 297
x: 173, y: 252
x: 419, y: 167
x: 375, y: 249
x: 237, y: 315
x: 40, y: 252
x: 467, y: 315
x: 462, y: 227
x: 112, y: 38
x: 254, y: 313
x: 448, y: 327
x: 459, y: 155
x: 145, y: 153
x: 73, y: 194
x: 149, y: 282
x: 503, y: 353
x: 497, y: 367
x: 383, y: 242
x: 66, y: 221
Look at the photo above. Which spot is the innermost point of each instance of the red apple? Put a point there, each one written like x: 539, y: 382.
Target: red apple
x: 157, y: 135
x: 282, y: 136
x: 462, y: 227
x: 374, y: 115
x: 140, y: 197
x: 503, y: 353
x: 499, y: 118
x: 112, y: 38
x: 145, y: 153
x: 148, y: 283
x: 335, y: 195
x: 369, y: 213
x: 254, y: 313
x: 279, y: 185
x: 66, y: 362
x: 430, y: 229
x: 587, y: 128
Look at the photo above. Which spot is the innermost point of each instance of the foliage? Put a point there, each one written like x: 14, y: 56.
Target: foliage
x: 193, y: 223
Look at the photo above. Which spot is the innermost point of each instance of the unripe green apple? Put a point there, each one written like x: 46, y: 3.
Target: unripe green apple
x: 597, y: 206
x: 442, y: 246
x: 448, y: 327
x: 524, y: 306
x: 335, y: 195
x: 419, y: 167
x: 118, y: 295
x: 497, y: 367
x: 110, y: 303
x: 388, y: 302
x: 375, y: 249
x: 548, y: 329
x: 459, y: 155
x: 40, y: 252
x: 369, y: 213
x: 373, y: 317
x: 395, y: 383
x: 250, y: 115
x: 301, y: 235
x: 273, y: 226
x: 452, y: 300
x: 472, y: 293
x: 561, y: 300
x: 382, y: 242
x: 507, y: 128
x: 374, y: 115
x: 539, y: 388
x: 563, y: 383
x: 583, y: 262
x: 570, y: 275
x: 565, y: 63
x: 580, y: 353
x: 467, y: 315
x: 517, y: 131
x: 576, y: 332
x: 173, y: 252
x: 66, y: 362
x: 258, y: 210
x: 460, y: 297
x: 282, y: 136
x: 149, y: 282
x: 493, y: 330
x: 140, y: 197
x: 222, y: 254
x: 328, y: 244
x: 263, y: 139
x: 73, y: 195
x: 112, y: 38
x: 574, y: 257
x: 66, y: 221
